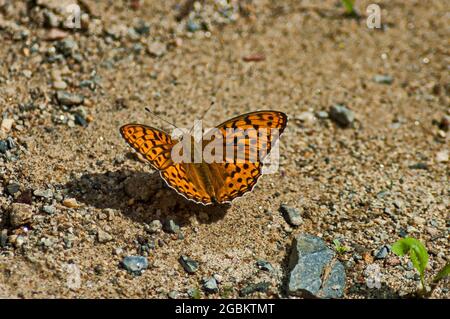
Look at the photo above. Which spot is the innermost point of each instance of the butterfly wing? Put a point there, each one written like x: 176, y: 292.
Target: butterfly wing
x: 154, y: 144
x: 234, y: 178
x: 183, y: 178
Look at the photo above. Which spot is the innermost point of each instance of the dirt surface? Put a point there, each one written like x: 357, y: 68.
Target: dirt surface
x: 89, y: 200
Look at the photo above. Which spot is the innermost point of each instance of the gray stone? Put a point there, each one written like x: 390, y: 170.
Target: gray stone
x: 157, y: 49
x: 341, y: 115
x: 314, y: 270
x: 20, y: 214
x: 292, y: 215
x: 12, y: 188
x: 190, y: 265
x: 264, y: 265
x: 382, y: 252
x: 154, y: 227
x: 67, y: 47
x: 383, y: 79
x: 3, y: 237
x: 43, y: 193
x: 210, y: 285
x: 69, y: 99
x: 251, y: 288
x: 135, y: 264
x: 103, y: 237
x: 194, y: 293
x: 171, y: 227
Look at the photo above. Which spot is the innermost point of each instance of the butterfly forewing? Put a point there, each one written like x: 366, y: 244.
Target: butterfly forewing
x: 154, y: 144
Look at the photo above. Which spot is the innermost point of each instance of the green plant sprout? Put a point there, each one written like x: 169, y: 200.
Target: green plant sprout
x: 340, y: 249
x: 419, y: 258
x: 350, y: 9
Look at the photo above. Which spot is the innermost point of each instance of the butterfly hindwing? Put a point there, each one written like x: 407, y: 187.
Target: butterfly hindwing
x: 154, y: 144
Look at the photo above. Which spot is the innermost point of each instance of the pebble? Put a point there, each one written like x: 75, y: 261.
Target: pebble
x: 80, y: 120
x: 210, y: 285
x: 309, y: 257
x: 291, y: 215
x: 190, y: 265
x: 70, y: 203
x: 171, y: 227
x: 258, y: 287
x: 56, y: 34
x: 69, y: 99
x: 135, y: 264
x: 3, y: 237
x: 48, y: 193
x: 67, y: 47
x: 322, y: 115
x: 59, y: 85
x: 7, y: 124
x: 383, y: 79
x: 20, y: 214
x: 154, y: 227
x: 442, y: 156
x: 173, y: 294
x: 192, y: 26
x: 12, y: 188
x: 49, y: 209
x: 103, y: 237
x: 157, y: 49
x: 264, y: 265
x: 419, y: 166
x: 419, y: 220
x: 382, y: 252
x: 341, y: 115
x: 194, y: 293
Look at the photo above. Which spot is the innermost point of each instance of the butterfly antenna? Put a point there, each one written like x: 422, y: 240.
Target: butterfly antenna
x: 207, y: 110
x: 164, y: 120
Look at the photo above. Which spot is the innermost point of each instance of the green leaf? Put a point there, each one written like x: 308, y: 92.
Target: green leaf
x: 349, y: 5
x: 417, y: 252
x: 443, y: 273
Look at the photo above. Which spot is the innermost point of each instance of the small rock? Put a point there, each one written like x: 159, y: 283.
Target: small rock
x: 103, y: 237
x: 157, y: 49
x: 70, y: 203
x: 383, y: 79
x: 12, y: 188
x: 309, y: 260
x: 154, y: 227
x: 341, y: 115
x: 194, y: 293
x: 382, y: 253
x: 135, y: 264
x: 292, y: 215
x: 48, y: 193
x: 393, y: 261
x: 306, y: 117
x: 173, y: 294
x: 210, y: 285
x: 322, y: 115
x: 59, y: 85
x: 69, y: 99
x: 171, y: 227
x: 190, y: 265
x: 192, y: 26
x: 419, y: 166
x: 3, y: 237
x: 67, y: 47
x: 7, y: 125
x: 55, y: 34
x: 442, y: 156
x: 258, y: 287
x: 80, y: 120
x: 49, y: 209
x: 264, y: 265
x: 20, y: 214
x: 444, y: 124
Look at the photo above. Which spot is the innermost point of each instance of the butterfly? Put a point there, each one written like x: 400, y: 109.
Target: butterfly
x: 215, y: 182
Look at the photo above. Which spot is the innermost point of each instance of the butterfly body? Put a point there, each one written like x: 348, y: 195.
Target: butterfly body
x: 208, y: 181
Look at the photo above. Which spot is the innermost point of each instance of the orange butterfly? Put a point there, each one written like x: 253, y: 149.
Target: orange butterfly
x: 214, y: 182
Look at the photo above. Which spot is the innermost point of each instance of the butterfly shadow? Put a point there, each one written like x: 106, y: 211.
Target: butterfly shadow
x: 140, y: 196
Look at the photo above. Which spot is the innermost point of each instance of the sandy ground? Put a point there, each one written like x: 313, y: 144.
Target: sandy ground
x: 353, y: 184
